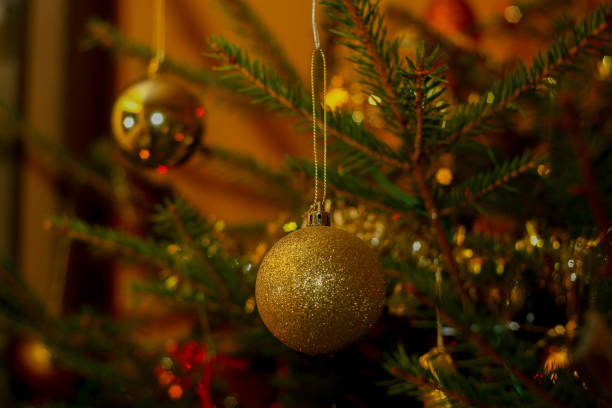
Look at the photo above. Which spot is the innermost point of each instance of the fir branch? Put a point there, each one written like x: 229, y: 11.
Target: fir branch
x: 468, y: 118
x: 201, y: 256
x: 58, y: 157
x: 255, y: 31
x: 133, y: 248
x: 265, y: 86
x: 430, y: 206
x: 367, y: 202
x: 18, y: 301
x: 592, y: 190
x: 418, y: 106
x: 483, y: 345
x: 245, y: 171
x: 441, y: 237
x: 421, y: 382
x: 483, y: 183
x: 364, y: 32
x: 393, y: 201
x: 103, y: 34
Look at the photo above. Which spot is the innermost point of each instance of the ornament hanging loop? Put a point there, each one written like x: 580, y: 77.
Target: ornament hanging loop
x: 160, y: 37
x: 317, y: 216
x: 316, y: 54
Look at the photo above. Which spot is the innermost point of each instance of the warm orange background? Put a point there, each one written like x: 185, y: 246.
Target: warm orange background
x: 189, y: 22
x: 267, y: 138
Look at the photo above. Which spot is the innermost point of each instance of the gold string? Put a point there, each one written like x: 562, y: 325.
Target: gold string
x: 160, y: 37
x: 315, y: 52
x: 440, y: 339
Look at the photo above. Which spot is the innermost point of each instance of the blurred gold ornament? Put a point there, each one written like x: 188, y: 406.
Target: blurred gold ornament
x: 319, y: 289
x: 157, y: 123
x: 605, y: 67
x: 36, y: 357
x: 436, y: 360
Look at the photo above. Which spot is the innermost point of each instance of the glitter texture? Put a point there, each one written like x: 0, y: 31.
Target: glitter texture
x: 319, y: 289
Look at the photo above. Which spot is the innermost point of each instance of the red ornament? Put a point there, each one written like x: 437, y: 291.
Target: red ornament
x: 193, y: 365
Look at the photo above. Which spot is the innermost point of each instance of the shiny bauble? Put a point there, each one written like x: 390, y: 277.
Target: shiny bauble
x: 156, y: 123
x: 319, y: 289
x: 33, y: 367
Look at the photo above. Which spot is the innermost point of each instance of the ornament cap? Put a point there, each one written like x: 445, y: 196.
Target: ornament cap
x: 317, y: 216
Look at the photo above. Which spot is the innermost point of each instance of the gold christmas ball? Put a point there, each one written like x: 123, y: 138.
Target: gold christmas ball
x: 157, y: 123
x: 319, y: 289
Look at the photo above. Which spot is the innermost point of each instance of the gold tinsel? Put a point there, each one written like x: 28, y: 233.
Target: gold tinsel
x: 557, y: 359
x: 435, y: 360
x: 319, y: 289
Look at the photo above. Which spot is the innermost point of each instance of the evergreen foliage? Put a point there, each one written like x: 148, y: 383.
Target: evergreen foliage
x: 496, y: 362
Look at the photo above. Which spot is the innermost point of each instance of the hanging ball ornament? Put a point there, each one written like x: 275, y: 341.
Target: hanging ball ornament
x: 157, y: 123
x: 320, y: 288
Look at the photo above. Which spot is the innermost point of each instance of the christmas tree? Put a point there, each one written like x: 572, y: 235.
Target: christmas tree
x: 480, y: 188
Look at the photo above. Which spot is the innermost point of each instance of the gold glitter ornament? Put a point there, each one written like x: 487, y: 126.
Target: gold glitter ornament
x: 157, y: 123
x: 319, y: 289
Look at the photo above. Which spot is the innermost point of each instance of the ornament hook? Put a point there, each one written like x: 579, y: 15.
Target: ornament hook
x: 319, y: 52
x: 315, y: 31
x: 160, y: 37
x: 317, y: 216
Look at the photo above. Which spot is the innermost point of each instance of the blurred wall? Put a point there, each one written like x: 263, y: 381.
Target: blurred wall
x: 43, y: 109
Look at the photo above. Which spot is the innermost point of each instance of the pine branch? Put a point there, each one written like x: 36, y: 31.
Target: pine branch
x: 441, y: 237
x: 105, y: 35
x: 421, y: 382
x: 425, y: 192
x: 255, y: 31
x: 132, y: 248
x: 378, y: 59
x: 201, y: 256
x: 387, y: 197
x: 58, y: 157
x: 368, y: 203
x: 245, y: 171
x: 468, y: 118
x: 483, y: 346
x: 263, y: 85
x: 483, y: 183
x: 418, y: 106
x: 592, y: 190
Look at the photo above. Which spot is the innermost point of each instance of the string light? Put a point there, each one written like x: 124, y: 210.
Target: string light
x: 175, y: 391
x: 444, y: 176
x: 144, y: 154
x: 129, y: 122
x: 513, y: 14
x: 290, y: 226
x: 336, y: 97
x: 157, y: 118
x: 358, y: 116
